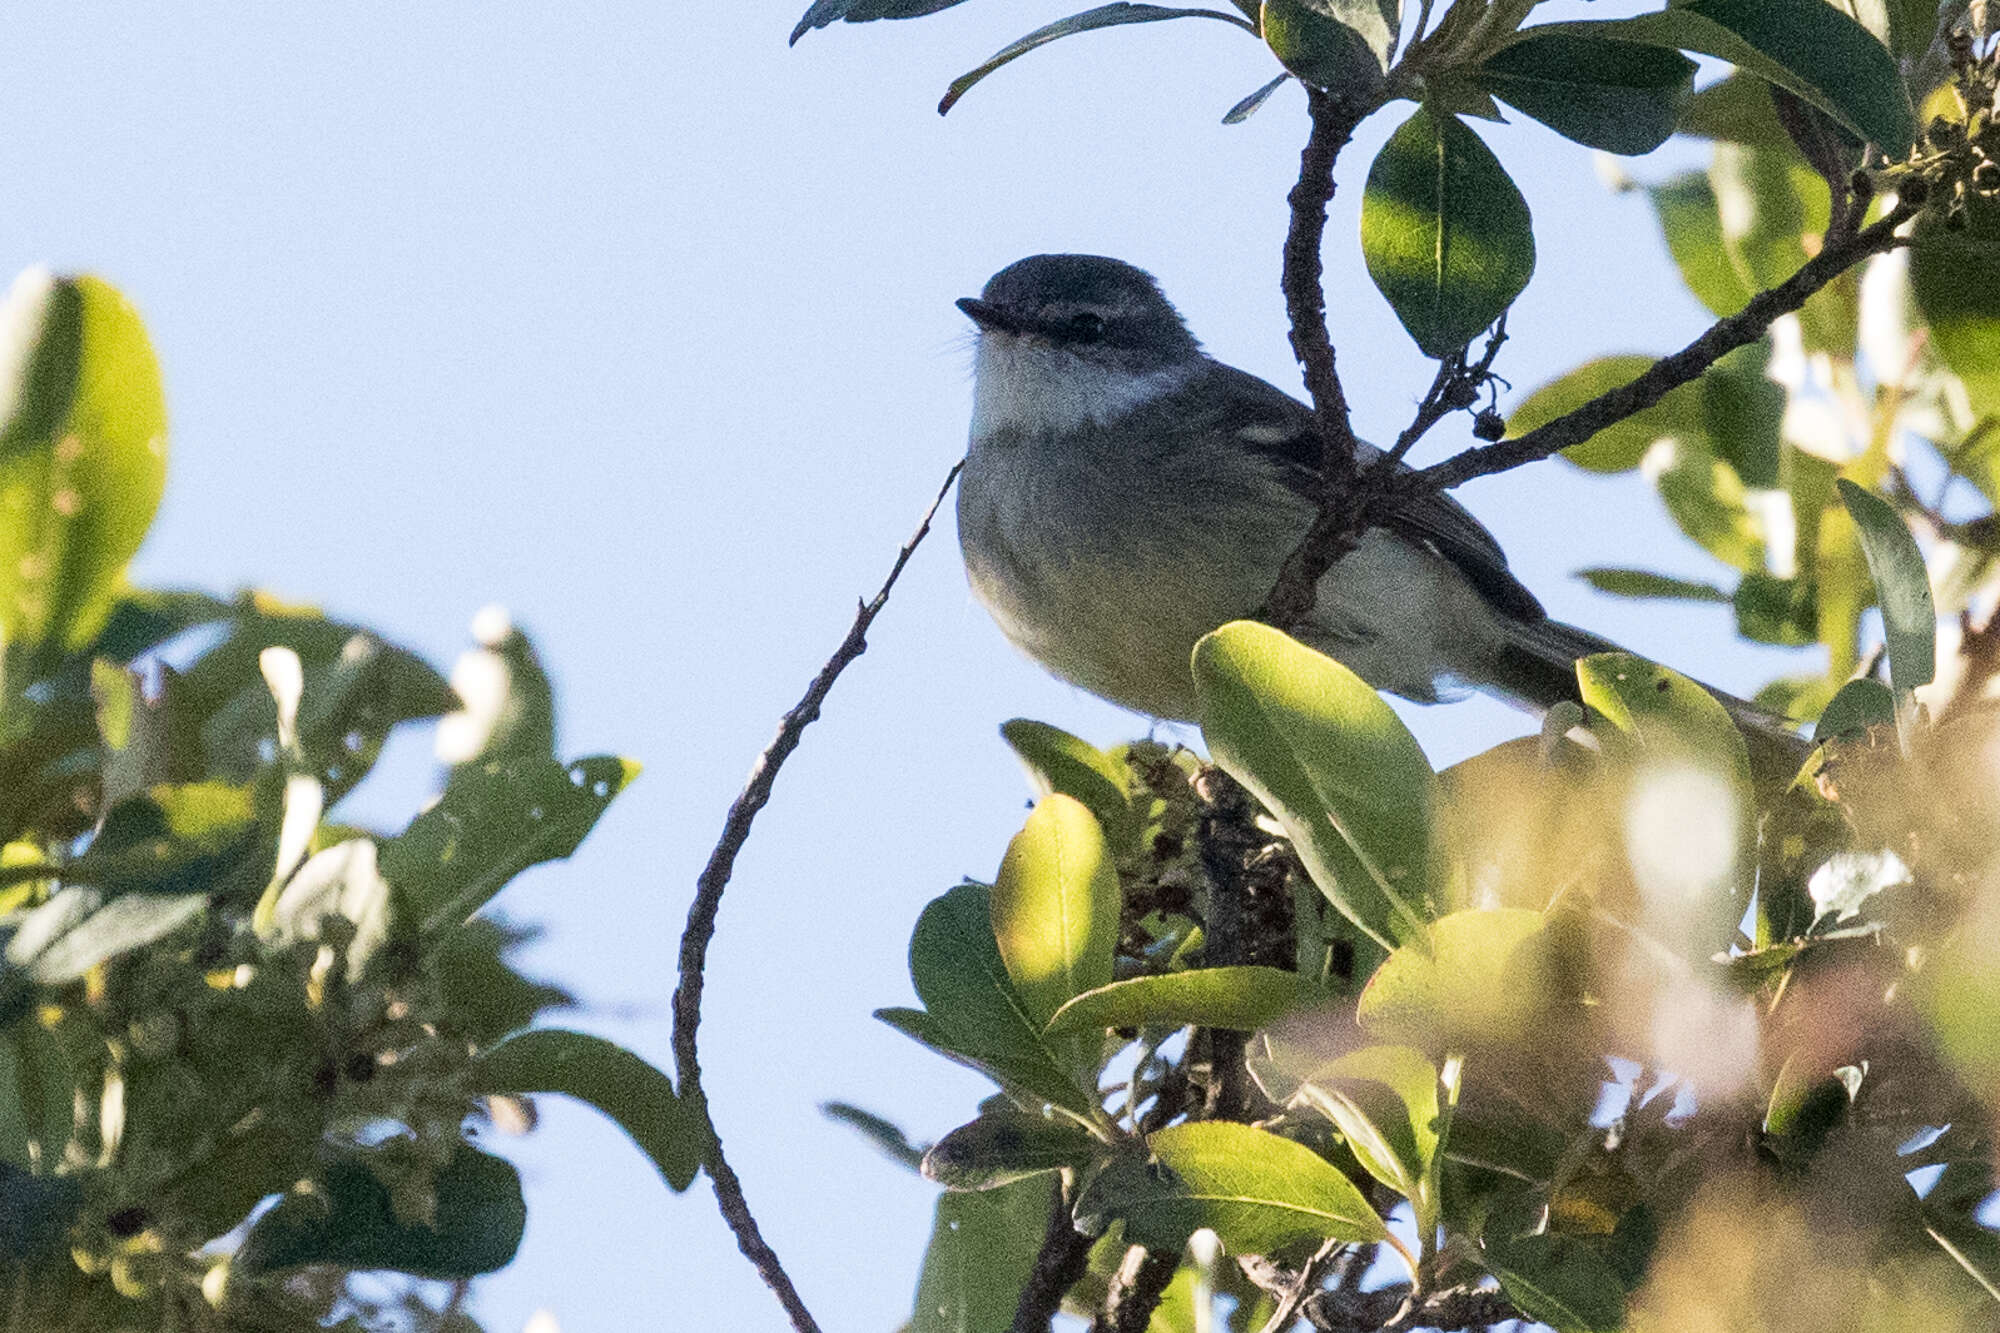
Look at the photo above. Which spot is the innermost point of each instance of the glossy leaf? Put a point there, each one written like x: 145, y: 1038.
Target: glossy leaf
x: 1257, y: 1191
x: 1059, y: 762
x: 493, y: 821
x: 83, y: 454
x: 1003, y: 1146
x: 1483, y: 979
x: 1902, y: 587
x: 1859, y: 705
x: 824, y: 12
x: 1384, y: 1099
x: 981, y: 1252
x: 1562, y: 1281
x: 1104, y: 16
x: 1808, y: 47
x: 1623, y: 97
x: 1055, y: 907
x: 635, y: 1096
x: 1324, y: 753
x: 1644, y: 584
x: 972, y: 1009
x: 1445, y: 232
x: 349, y: 1218
x: 1240, y: 999
x: 1338, y: 44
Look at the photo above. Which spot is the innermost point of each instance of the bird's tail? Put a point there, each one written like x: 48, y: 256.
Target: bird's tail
x: 1537, y: 667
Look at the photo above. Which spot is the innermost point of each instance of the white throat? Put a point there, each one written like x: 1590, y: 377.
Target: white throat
x: 1025, y: 386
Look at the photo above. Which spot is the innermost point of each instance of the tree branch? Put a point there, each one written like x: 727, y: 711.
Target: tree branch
x: 708, y: 901
x: 1059, y: 1265
x: 1392, y: 1310
x: 1136, y: 1289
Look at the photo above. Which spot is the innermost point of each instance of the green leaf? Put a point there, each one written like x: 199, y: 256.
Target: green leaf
x: 635, y: 1096
x: 1059, y: 762
x: 1003, y: 1146
x: 1902, y: 587
x: 197, y: 837
x: 484, y: 997
x: 1055, y: 907
x: 1249, y: 106
x: 1239, y: 999
x: 1619, y: 446
x: 1324, y: 753
x: 1445, y: 232
x: 824, y: 12
x: 1692, y: 225
x: 1339, y: 44
x: 77, y: 929
x: 349, y: 1218
x: 36, y: 1213
x: 1623, y: 97
x: 1104, y: 16
x: 981, y: 1253
x: 1707, y: 500
x: 1734, y: 109
x: 887, y: 1136
x: 1773, y: 210
x: 507, y: 705
x: 1384, y: 1099
x: 83, y: 457
x: 493, y: 821
x: 1775, y: 610
x: 1861, y: 704
x: 1807, y: 47
x: 1806, y: 1105
x: 1257, y: 1191
x: 1483, y: 979
x: 1644, y: 584
x: 972, y: 1010
x: 1955, y: 278
x: 1563, y: 1281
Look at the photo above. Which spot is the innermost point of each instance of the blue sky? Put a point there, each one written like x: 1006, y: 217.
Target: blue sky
x: 630, y: 319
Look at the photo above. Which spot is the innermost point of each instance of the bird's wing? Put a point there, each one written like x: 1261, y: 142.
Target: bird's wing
x: 1269, y: 422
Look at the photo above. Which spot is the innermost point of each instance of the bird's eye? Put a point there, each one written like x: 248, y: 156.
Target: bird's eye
x: 1085, y: 327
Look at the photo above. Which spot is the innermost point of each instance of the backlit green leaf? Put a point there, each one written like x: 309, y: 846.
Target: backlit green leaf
x: 1445, y: 232
x: 1241, y: 999
x: 1055, y: 907
x: 982, y: 1249
x: 1483, y: 979
x: 1623, y: 97
x: 1902, y: 587
x: 1059, y: 762
x: 1619, y: 446
x: 1861, y: 704
x: 1644, y: 584
x: 1338, y: 44
x: 1563, y: 1281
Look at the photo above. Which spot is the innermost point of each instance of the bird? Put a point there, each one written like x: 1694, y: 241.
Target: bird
x: 1124, y: 493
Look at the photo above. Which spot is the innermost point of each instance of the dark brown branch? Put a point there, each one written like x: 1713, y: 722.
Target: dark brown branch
x: 1333, y: 123
x: 1391, y: 1310
x: 1247, y: 920
x: 1669, y: 372
x: 1136, y: 1289
x: 708, y: 901
x: 1456, y: 387
x: 1059, y: 1265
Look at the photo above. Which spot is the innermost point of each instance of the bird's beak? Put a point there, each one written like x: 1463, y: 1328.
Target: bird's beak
x: 989, y: 317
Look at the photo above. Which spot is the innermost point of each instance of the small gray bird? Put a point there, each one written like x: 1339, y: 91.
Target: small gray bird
x: 1125, y: 494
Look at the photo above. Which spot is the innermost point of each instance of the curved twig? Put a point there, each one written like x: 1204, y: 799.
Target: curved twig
x: 708, y: 900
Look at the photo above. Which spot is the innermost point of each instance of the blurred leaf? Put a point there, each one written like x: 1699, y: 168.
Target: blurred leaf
x: 1622, y: 97
x: 885, y: 1134
x: 1055, y: 907
x: 635, y: 1096
x: 1338, y: 44
x: 1774, y: 610
x: 824, y: 12
x: 1483, y: 979
x: 1257, y: 1191
x: 1384, y: 1099
x: 1744, y: 410
x: 1861, y: 704
x: 36, y: 1213
x: 1323, y: 752
x: 982, y: 1251
x: 174, y: 839
x: 1059, y: 762
x: 1773, y: 209
x: 1240, y: 999
x: 972, y: 1008
x: 1706, y: 500
x: 1806, y: 1105
x: 1003, y: 1146
x: 349, y: 1218
x: 1805, y: 46
x: 37, y: 1096
x: 1645, y: 584
x: 1692, y: 225
x: 1445, y: 232
x: 1955, y: 278
x: 493, y: 821
x: 1562, y: 1281
x: 83, y: 456
x: 1250, y: 105
x: 482, y: 996
x: 1620, y: 446
x: 1104, y: 16
x: 77, y: 929
x: 1902, y: 587
x: 1735, y: 109
x: 144, y: 618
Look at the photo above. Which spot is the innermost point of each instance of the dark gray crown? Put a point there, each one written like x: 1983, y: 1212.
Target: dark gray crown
x: 1045, y: 293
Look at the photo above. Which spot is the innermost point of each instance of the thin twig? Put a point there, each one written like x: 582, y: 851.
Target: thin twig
x: 1457, y: 386
x: 708, y: 901
x: 1301, y: 1287
x: 1059, y: 1265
